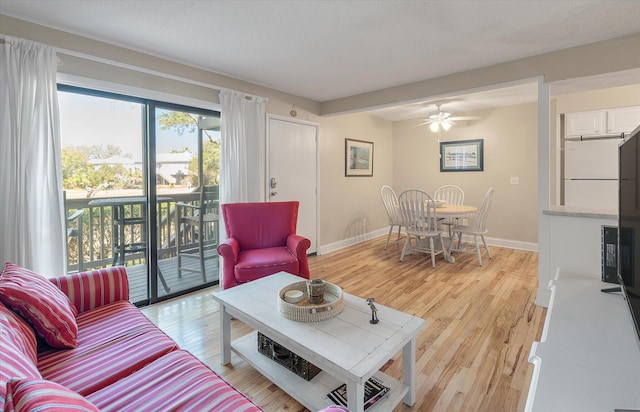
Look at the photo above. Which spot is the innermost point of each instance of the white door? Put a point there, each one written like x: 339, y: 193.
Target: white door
x: 292, y: 170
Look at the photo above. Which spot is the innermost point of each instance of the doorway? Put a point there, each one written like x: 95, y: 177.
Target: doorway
x: 292, y: 170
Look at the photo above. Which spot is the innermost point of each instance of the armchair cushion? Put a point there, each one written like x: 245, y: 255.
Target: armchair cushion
x: 258, y: 263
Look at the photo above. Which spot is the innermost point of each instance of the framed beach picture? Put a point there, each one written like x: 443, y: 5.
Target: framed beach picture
x: 358, y: 158
x: 462, y: 156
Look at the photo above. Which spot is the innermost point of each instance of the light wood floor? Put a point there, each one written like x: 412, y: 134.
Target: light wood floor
x: 472, y: 355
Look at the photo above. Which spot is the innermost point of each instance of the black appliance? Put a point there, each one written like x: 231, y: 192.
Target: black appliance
x: 286, y: 358
x: 629, y: 224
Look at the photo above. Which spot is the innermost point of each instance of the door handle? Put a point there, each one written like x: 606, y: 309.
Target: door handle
x: 274, y: 193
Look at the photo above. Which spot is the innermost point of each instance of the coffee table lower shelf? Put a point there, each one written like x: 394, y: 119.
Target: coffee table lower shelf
x: 312, y: 394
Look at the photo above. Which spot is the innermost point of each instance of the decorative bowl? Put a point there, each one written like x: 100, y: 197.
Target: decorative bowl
x: 304, y: 311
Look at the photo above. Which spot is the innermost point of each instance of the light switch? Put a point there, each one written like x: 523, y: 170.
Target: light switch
x: 514, y: 180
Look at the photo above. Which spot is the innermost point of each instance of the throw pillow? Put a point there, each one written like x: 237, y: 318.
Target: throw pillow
x: 41, y: 395
x: 41, y: 304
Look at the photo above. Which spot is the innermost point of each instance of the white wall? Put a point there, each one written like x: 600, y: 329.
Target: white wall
x: 510, y: 150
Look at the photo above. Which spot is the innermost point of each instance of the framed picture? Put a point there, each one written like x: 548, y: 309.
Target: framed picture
x: 358, y: 158
x: 462, y: 156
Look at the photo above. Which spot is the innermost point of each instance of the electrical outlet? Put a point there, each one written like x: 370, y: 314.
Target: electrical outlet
x: 514, y: 180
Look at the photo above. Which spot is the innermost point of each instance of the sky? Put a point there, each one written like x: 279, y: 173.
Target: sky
x: 89, y: 120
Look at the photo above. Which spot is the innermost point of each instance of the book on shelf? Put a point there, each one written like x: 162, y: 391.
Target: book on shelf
x: 374, y: 390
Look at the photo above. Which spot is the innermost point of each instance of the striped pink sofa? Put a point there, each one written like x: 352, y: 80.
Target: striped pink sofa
x: 122, y: 361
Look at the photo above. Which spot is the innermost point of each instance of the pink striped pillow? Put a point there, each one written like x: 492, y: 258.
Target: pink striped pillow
x: 41, y: 304
x: 42, y: 395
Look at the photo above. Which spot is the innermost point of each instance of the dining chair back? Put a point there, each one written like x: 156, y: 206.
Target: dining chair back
x: 419, y: 217
x: 477, y: 229
x: 452, y: 195
x: 391, y: 205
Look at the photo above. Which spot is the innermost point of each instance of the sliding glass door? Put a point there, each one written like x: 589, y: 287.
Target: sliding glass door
x: 133, y: 170
x: 187, y: 158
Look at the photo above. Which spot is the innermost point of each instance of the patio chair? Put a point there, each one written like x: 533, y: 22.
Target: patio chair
x: 197, y: 232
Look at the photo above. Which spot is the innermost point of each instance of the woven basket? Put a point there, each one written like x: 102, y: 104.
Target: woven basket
x: 304, y: 311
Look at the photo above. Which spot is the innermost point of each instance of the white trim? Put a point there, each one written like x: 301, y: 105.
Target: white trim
x: 505, y: 243
x: 105, y: 86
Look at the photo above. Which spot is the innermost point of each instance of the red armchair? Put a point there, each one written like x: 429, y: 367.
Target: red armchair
x: 261, y: 241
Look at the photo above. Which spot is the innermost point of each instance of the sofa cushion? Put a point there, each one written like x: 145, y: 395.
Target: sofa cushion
x: 257, y: 263
x: 21, y: 333
x: 41, y: 395
x: 175, y: 382
x: 17, y: 349
x: 114, y: 341
x: 41, y: 304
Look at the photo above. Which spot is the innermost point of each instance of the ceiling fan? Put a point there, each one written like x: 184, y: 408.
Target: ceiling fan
x: 443, y: 120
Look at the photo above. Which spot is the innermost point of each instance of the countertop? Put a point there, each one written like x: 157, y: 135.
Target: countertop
x: 573, y: 211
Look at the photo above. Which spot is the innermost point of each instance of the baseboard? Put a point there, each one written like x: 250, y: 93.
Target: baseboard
x: 491, y: 241
x: 332, y: 247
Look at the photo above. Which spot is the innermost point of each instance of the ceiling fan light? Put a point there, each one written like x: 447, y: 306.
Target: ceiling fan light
x: 434, y: 127
x: 446, y: 126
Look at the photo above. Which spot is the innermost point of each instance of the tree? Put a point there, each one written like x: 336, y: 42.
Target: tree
x: 182, y: 122
x: 78, y: 173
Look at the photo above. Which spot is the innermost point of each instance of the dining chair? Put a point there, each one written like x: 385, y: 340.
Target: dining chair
x: 390, y: 201
x: 419, y: 219
x: 478, y: 229
x: 452, y: 195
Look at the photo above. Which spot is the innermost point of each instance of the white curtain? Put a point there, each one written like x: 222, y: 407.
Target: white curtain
x: 242, y: 147
x: 32, y: 222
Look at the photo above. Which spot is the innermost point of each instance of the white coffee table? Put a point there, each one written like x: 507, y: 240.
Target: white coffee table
x: 346, y: 347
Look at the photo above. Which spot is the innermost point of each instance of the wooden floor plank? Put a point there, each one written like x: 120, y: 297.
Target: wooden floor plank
x: 471, y: 356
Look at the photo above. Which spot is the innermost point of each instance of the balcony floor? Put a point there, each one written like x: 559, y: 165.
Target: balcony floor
x: 169, y: 268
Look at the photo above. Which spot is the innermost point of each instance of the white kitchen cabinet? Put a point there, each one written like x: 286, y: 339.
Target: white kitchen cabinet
x: 623, y: 120
x: 579, y: 124
x: 598, y: 123
x: 587, y: 358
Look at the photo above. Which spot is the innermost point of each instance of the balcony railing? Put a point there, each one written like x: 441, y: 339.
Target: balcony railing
x: 91, y: 232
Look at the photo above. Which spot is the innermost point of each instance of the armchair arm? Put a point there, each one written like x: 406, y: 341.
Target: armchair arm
x: 298, y: 245
x: 89, y: 290
x: 229, y: 251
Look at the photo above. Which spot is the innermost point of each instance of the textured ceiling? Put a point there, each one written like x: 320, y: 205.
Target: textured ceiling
x: 324, y: 50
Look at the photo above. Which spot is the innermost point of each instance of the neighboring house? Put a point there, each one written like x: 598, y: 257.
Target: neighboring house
x: 173, y: 168
x: 126, y: 162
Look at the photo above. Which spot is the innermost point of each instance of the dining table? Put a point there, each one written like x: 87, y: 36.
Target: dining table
x: 455, y: 211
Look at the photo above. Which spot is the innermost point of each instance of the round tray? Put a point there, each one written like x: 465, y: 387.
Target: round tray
x: 304, y: 311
